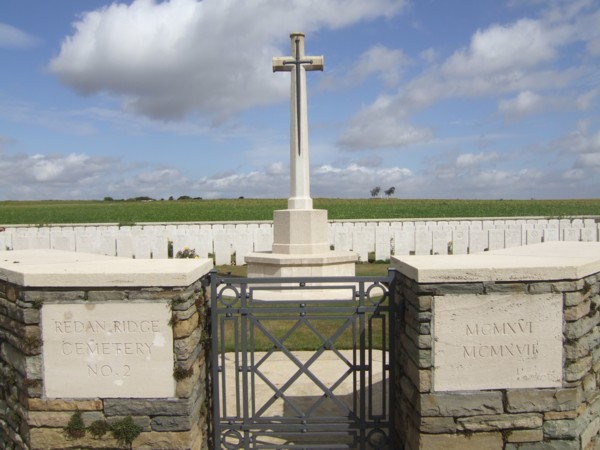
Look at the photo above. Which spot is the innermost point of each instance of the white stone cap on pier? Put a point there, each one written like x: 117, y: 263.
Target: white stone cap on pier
x: 545, y: 261
x: 58, y: 268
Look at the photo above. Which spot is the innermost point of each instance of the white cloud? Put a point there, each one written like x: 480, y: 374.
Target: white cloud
x: 466, y: 160
x: 385, y: 132
x: 13, y: 38
x: 522, y: 44
x: 523, y: 104
x: 52, y: 176
x: 522, y: 58
x: 166, y: 59
x: 384, y: 63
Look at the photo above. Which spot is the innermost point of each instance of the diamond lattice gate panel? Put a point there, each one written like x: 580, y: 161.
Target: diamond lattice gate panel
x: 302, y: 362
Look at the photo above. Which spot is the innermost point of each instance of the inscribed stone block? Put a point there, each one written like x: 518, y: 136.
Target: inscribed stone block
x: 113, y: 350
x: 263, y: 238
x: 497, y: 341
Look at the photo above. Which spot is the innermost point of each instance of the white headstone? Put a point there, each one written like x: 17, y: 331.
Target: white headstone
x: 460, y: 240
x: 534, y: 236
x: 589, y: 234
x: 404, y: 241
x: 512, y: 237
x: 477, y: 240
x: 383, y: 240
x: 423, y: 241
x: 550, y: 234
x: 495, y: 239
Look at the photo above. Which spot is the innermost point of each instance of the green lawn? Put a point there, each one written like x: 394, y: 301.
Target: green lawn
x: 302, y: 338
x: 129, y: 212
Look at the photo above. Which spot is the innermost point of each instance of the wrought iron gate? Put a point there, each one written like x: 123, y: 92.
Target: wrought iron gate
x: 302, y: 362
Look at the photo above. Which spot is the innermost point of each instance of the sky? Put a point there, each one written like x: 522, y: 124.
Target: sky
x: 470, y: 99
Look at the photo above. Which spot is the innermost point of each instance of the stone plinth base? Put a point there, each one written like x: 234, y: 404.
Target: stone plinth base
x: 327, y: 264
x: 300, y: 231
x: 499, y: 350
x: 105, y: 338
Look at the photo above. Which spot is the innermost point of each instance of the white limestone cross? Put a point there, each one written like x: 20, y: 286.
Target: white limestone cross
x: 298, y: 64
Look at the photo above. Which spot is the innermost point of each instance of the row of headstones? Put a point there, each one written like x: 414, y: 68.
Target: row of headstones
x: 231, y: 242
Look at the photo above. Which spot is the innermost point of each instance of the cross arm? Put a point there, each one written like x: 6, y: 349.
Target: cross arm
x: 285, y: 64
x: 316, y: 63
x: 279, y: 64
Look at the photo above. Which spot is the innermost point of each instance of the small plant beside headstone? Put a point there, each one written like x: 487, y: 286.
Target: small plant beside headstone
x: 186, y: 253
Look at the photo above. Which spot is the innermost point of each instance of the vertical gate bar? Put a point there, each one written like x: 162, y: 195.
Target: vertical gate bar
x: 394, y: 313
x: 384, y: 372
x: 362, y: 408
x: 244, y: 331
x: 370, y: 353
x: 216, y: 419
x: 223, y: 371
x: 252, y: 373
x: 236, y: 362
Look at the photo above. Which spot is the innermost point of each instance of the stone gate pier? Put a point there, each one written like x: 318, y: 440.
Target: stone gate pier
x: 499, y: 350
x: 105, y: 340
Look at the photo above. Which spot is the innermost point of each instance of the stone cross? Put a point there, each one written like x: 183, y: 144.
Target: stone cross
x: 298, y: 64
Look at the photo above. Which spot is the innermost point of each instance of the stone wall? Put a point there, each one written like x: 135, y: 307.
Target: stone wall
x: 232, y: 241
x: 563, y: 417
x: 31, y: 420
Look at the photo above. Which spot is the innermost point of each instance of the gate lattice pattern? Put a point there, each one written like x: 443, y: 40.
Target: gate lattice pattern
x: 301, y: 362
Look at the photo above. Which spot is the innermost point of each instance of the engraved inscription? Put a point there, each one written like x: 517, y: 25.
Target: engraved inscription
x: 114, y: 350
x: 497, y: 341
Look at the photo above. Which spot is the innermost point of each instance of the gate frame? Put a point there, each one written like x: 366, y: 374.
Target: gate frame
x: 361, y: 287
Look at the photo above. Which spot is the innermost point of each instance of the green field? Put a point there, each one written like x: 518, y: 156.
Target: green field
x: 128, y: 212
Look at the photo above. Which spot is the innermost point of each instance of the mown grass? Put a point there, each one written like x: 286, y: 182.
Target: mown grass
x: 303, y: 338
x: 129, y: 212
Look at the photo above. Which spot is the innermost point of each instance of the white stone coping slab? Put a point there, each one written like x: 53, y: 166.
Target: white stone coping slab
x: 544, y: 261
x: 57, y: 268
x: 332, y: 257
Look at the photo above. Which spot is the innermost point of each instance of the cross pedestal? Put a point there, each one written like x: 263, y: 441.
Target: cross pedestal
x: 300, y: 233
